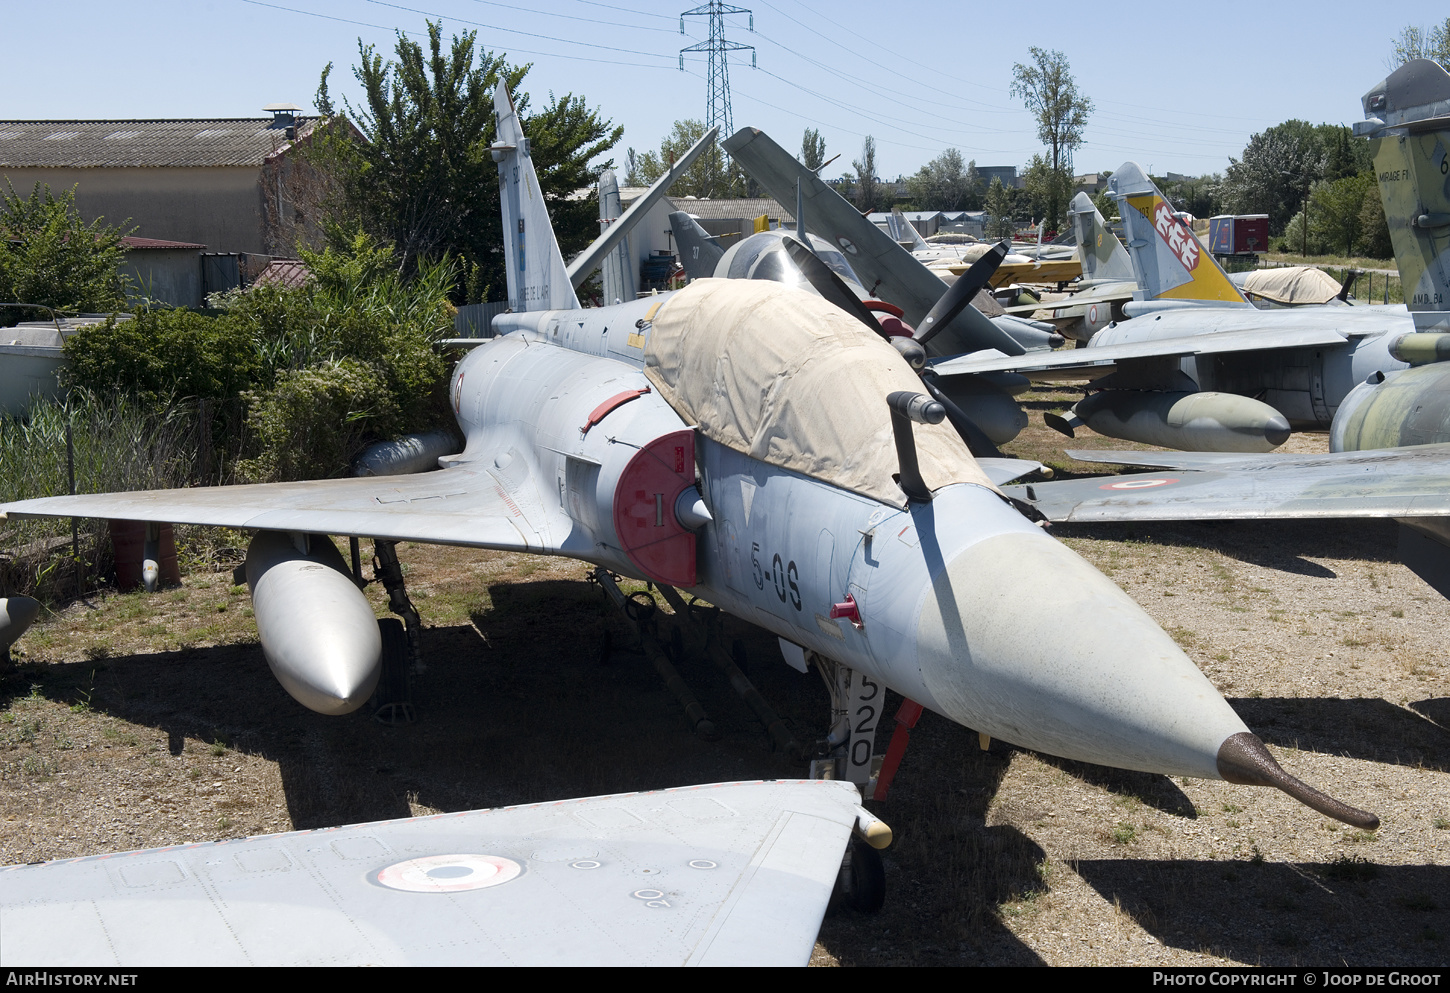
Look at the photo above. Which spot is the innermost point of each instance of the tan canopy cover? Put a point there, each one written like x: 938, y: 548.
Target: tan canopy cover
x: 1291, y: 285
x: 785, y: 377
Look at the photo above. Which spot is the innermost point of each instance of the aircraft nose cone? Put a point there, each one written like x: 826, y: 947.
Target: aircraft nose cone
x: 1020, y: 638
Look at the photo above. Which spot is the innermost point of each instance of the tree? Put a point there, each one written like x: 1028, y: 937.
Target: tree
x: 945, y: 183
x: 868, y: 190
x: 1335, y: 210
x: 1374, y: 232
x: 1045, y: 187
x: 999, y: 210
x: 712, y: 175
x: 423, y: 179
x: 1278, y: 168
x: 813, y: 150
x: 49, y: 256
x: 1417, y: 43
x: 1050, y: 93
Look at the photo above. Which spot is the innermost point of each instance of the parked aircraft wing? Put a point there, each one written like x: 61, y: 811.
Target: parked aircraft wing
x: 886, y: 269
x: 730, y: 874
x: 466, y: 505
x: 1101, y: 360
x: 593, y: 256
x: 1392, y: 482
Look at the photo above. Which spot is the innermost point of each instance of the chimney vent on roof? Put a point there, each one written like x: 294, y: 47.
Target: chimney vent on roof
x: 284, y: 115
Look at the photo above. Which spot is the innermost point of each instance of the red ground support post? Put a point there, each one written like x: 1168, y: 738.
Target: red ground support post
x: 906, y: 719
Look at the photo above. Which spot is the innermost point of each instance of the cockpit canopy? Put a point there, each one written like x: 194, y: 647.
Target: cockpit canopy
x: 763, y: 256
x: 785, y: 377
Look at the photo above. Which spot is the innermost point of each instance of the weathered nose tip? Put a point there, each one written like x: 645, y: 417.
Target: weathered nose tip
x: 1022, y: 639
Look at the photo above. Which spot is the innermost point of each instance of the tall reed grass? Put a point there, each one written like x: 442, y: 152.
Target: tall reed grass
x: 119, y: 444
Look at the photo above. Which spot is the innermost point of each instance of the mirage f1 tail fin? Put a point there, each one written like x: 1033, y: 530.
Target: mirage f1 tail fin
x: 537, y: 276
x: 1408, y: 124
x: 1102, y: 255
x: 699, y: 252
x: 1169, y: 261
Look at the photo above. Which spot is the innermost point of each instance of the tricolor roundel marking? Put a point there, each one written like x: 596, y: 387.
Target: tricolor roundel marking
x: 1137, y: 484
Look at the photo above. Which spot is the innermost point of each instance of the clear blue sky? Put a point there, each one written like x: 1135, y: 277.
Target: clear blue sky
x: 1177, y: 87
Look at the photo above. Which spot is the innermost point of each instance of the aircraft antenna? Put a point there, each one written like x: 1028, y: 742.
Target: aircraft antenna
x: 718, y: 108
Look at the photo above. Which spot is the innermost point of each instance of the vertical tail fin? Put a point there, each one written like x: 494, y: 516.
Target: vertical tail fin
x: 619, y: 272
x: 1102, y: 255
x: 698, y: 251
x: 1169, y: 261
x: 537, y: 277
x: 1408, y: 124
x: 904, y: 232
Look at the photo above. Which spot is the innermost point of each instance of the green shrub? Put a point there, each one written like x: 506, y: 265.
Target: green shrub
x: 163, y: 355
x: 312, y: 422
x: 49, y: 256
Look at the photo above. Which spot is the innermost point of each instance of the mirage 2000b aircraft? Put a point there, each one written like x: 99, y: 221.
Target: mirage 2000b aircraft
x: 763, y: 449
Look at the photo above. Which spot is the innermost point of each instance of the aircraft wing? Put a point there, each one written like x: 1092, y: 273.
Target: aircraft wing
x: 464, y: 505
x: 592, y: 257
x: 730, y: 874
x: 884, y: 266
x: 1393, y: 482
x: 1104, y: 359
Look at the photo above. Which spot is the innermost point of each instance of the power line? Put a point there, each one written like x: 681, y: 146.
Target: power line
x: 717, y: 102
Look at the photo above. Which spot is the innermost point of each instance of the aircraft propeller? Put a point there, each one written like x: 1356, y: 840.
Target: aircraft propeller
x: 957, y: 296
x: 962, y: 292
x: 829, y: 285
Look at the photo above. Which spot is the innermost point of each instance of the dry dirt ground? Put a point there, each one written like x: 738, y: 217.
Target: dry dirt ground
x: 131, y: 721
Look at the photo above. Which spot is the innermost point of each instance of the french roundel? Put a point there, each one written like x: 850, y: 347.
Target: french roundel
x: 1137, y: 484
x: 448, y: 873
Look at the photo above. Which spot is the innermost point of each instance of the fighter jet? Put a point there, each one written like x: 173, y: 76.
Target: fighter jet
x: 1198, y: 367
x: 1390, y: 438
x: 888, y: 270
x: 768, y: 451
x: 953, y: 260
x: 814, y: 264
x: 1107, y: 282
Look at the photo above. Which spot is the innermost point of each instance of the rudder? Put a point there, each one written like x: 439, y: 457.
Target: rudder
x: 537, y: 276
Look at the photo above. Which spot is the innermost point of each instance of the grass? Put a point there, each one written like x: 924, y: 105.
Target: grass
x: 118, y: 445
x: 1350, y: 869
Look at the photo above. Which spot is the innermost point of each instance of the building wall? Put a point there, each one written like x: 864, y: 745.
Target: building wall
x: 220, y: 206
x: 165, y: 275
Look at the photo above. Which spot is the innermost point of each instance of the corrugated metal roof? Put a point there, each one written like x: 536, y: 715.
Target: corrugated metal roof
x: 742, y: 209
x: 243, y: 141
x: 287, y: 273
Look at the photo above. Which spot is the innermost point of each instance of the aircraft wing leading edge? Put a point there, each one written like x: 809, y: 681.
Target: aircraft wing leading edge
x: 1107, y: 355
x: 463, y: 505
x: 729, y: 874
x: 1395, y: 482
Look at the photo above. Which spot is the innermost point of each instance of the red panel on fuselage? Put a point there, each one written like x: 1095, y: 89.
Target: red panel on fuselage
x: 644, y: 509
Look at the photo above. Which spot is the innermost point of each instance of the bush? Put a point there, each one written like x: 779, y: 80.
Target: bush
x: 49, y: 256
x: 120, y: 444
x: 313, y: 420
x: 163, y: 355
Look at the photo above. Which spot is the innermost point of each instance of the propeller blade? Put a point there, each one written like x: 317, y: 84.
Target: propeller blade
x: 977, y: 441
x: 961, y: 293
x: 829, y: 285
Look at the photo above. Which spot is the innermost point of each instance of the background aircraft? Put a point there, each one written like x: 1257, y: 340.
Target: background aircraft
x: 767, y: 451
x: 1391, y: 435
x: 1198, y: 367
x: 1107, y: 278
